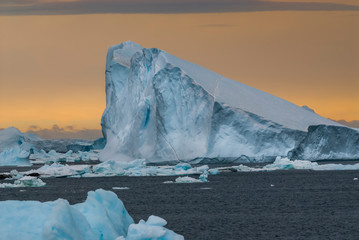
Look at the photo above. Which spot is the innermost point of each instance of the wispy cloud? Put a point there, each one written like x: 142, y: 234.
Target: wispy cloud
x: 57, y: 132
x: 61, y: 7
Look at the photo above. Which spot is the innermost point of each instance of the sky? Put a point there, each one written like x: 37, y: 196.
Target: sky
x: 52, y: 53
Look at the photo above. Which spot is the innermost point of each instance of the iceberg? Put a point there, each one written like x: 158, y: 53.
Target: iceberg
x: 15, y: 147
x: 101, y: 216
x: 165, y: 109
x: 328, y: 143
x: 15, y: 156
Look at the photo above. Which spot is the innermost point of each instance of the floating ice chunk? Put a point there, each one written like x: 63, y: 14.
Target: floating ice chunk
x: 120, y: 188
x: 118, y: 168
x: 15, y: 174
x: 60, y: 170
x: 15, y: 156
x: 102, y: 216
x: 26, y: 181
x: 187, y: 180
x: 213, y: 171
x: 152, y: 229
x: 66, y: 222
x: 106, y: 214
x: 168, y: 182
x: 286, y: 164
x: 70, y: 156
x: 355, y: 179
x: 182, y: 166
x: 203, y: 177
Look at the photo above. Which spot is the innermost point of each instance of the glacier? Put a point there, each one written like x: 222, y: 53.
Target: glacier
x: 102, y: 216
x: 165, y: 109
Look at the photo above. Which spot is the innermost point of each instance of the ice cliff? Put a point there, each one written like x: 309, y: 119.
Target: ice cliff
x: 163, y: 108
x: 328, y: 143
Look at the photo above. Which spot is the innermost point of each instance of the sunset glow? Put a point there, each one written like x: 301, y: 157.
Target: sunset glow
x: 52, y: 66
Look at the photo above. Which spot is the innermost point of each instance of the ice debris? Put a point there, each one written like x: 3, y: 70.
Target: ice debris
x: 52, y: 156
x: 286, y: 164
x: 113, y: 168
x: 26, y: 181
x: 120, y: 188
x: 101, y: 216
x: 153, y: 228
x: 187, y: 180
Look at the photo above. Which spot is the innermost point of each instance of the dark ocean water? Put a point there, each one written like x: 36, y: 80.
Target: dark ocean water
x: 294, y: 204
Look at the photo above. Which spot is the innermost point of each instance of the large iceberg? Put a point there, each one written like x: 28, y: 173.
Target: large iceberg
x: 102, y: 216
x: 162, y: 108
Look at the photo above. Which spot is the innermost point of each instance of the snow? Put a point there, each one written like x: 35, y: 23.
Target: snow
x: 101, y: 216
x: 164, y: 109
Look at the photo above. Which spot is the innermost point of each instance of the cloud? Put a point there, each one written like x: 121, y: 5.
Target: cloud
x: 353, y: 124
x: 57, y: 132
x: 33, y: 127
x: 62, y: 7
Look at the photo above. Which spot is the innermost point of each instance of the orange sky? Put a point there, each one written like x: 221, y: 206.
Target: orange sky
x: 52, y: 67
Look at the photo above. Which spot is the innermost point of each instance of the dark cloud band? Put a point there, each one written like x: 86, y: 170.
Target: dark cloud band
x: 21, y: 7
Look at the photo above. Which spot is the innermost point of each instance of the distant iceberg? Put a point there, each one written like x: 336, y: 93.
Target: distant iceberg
x: 164, y: 109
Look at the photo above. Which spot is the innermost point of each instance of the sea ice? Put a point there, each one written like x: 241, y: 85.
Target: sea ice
x: 26, y: 181
x: 286, y: 164
x: 102, y: 217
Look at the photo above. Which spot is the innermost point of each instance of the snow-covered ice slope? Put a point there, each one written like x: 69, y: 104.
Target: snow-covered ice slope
x: 163, y: 108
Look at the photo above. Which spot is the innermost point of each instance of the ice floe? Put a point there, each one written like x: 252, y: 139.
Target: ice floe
x: 41, y: 157
x: 26, y: 181
x: 101, y: 216
x: 287, y: 164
